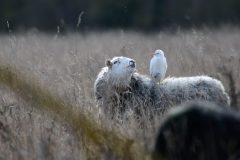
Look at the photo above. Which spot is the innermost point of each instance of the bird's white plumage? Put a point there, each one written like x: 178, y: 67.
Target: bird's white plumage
x: 158, y: 66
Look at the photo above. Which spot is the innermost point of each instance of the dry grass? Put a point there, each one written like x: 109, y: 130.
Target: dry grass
x: 67, y: 66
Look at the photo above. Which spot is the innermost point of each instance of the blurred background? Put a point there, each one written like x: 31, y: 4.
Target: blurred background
x: 65, y: 15
x: 56, y: 49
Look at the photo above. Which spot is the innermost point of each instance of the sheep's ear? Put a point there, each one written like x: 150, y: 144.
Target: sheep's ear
x: 109, y: 63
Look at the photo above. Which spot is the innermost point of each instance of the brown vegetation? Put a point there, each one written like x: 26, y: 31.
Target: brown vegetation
x: 67, y: 67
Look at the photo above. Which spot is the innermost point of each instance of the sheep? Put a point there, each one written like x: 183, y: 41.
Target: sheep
x: 199, y: 131
x: 119, y: 87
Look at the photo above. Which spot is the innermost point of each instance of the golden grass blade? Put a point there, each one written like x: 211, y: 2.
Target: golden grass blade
x: 104, y: 141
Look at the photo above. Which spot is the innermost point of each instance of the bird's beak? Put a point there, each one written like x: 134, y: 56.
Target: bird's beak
x: 153, y: 54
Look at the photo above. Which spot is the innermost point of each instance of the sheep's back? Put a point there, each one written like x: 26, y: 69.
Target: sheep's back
x: 178, y: 90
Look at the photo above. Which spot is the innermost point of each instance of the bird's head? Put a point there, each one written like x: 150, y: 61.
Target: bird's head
x: 158, y: 53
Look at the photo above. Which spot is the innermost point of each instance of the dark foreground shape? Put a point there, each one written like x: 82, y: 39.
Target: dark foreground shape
x: 199, y: 131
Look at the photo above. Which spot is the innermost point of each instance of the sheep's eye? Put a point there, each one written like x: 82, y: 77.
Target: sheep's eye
x: 115, y: 62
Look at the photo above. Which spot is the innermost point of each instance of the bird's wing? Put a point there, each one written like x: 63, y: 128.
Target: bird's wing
x: 155, y: 65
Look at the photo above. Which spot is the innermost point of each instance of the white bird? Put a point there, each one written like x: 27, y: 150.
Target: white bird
x: 158, y: 66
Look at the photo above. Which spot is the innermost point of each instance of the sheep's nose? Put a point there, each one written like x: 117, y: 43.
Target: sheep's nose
x: 132, y: 64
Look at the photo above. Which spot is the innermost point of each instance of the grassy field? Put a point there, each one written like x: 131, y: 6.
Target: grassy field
x: 66, y: 66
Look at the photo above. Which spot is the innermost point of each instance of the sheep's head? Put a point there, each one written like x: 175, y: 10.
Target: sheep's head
x: 120, y: 70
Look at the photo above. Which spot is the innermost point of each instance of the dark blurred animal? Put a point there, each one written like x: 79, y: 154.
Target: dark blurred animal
x: 199, y: 131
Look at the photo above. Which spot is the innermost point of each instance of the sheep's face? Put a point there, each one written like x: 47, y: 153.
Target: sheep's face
x: 121, y: 70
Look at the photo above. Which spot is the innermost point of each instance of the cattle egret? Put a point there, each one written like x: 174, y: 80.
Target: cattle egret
x: 158, y: 66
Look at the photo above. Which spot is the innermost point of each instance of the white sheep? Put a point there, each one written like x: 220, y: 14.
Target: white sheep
x: 119, y: 87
